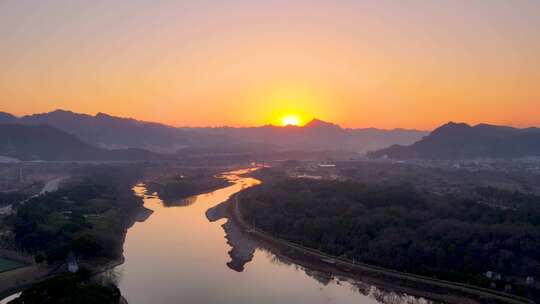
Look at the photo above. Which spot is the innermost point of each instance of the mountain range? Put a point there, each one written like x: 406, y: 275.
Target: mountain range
x: 318, y: 135
x: 462, y: 141
x: 65, y: 135
x: 43, y: 142
x: 110, y: 132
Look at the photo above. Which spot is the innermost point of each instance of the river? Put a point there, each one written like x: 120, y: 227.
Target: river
x: 190, y: 253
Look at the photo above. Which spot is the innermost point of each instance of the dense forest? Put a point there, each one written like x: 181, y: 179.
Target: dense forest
x: 87, y: 216
x: 397, y: 227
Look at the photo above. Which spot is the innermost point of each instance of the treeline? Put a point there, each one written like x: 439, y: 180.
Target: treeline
x: 87, y: 216
x: 527, y: 202
x: 399, y: 228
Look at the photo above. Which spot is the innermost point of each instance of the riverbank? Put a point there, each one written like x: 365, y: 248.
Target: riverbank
x: 123, y: 209
x: 440, y: 290
x: 16, y: 280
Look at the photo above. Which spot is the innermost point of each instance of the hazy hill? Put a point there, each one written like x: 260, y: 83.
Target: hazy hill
x: 319, y: 135
x: 6, y: 117
x: 462, y: 141
x: 44, y: 142
x: 114, y: 132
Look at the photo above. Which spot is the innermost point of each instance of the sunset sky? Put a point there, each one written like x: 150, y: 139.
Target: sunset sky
x: 386, y: 64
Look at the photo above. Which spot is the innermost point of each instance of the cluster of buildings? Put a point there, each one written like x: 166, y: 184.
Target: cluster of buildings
x: 314, y: 170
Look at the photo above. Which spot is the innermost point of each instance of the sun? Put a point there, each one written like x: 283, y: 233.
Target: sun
x: 290, y: 120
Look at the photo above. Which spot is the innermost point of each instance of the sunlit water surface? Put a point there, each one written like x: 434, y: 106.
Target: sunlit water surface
x: 179, y: 256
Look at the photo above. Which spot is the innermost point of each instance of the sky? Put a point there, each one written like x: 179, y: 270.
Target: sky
x: 381, y: 63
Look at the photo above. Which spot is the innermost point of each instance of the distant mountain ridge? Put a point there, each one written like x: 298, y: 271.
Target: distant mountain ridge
x: 319, y: 135
x: 43, y: 142
x: 112, y: 132
x: 462, y: 141
x: 6, y: 117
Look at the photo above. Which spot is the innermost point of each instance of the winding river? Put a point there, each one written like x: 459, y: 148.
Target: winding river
x: 190, y: 253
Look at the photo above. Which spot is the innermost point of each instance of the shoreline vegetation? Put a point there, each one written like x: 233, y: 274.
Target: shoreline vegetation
x: 88, y: 203
x: 431, y: 288
x: 447, y: 291
x: 88, y: 217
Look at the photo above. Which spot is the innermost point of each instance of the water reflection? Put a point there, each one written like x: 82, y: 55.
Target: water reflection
x: 196, y: 254
x: 242, y: 246
x: 142, y: 191
x: 184, y: 202
x: 381, y: 294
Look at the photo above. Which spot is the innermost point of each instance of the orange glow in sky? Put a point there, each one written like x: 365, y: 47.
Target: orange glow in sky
x: 374, y: 63
x: 290, y: 120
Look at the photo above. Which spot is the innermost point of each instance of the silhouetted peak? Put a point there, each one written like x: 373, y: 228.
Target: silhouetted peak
x: 317, y: 123
x: 451, y: 128
x: 7, y: 117
x: 61, y: 112
x: 108, y: 116
x: 482, y: 129
x: 101, y: 114
x: 58, y: 114
x: 105, y: 116
x: 456, y: 125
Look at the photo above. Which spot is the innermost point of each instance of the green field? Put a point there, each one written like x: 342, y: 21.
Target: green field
x: 6, y: 264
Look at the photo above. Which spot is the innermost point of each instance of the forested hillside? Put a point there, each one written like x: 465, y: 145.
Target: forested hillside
x: 400, y: 228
